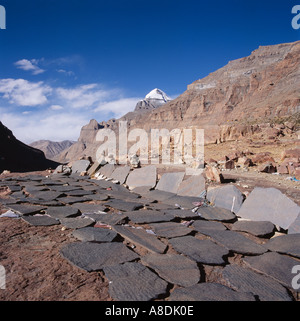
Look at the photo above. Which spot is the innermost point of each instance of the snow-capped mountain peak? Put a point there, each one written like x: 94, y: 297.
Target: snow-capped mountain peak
x: 158, y: 94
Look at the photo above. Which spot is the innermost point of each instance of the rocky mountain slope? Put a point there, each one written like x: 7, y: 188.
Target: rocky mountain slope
x: 18, y: 157
x: 51, y: 149
x: 228, y: 104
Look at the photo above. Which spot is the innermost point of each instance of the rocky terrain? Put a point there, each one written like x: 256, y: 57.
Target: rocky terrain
x: 69, y: 237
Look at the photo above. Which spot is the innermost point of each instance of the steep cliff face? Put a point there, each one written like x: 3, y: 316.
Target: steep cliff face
x: 253, y: 89
x: 19, y: 157
x: 230, y: 102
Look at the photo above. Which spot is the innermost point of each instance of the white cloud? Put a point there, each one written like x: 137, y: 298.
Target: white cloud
x: 33, y: 127
x: 56, y: 107
x: 118, y: 107
x: 84, y: 95
x: 29, y: 65
x: 24, y: 93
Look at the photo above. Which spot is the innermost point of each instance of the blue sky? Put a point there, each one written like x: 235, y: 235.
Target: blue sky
x: 65, y: 62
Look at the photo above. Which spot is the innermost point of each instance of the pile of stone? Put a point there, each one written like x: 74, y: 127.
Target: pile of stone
x: 263, y: 162
x: 163, y: 238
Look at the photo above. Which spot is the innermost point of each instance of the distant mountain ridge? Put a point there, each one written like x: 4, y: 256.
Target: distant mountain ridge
x: 52, y: 149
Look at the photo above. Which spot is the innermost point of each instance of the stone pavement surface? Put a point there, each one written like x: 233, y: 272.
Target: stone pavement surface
x: 154, y: 244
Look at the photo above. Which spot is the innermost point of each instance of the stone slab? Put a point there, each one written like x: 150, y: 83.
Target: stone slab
x: 236, y: 242
x: 246, y: 280
x: 141, y: 237
x: 228, y: 197
x: 149, y: 216
x: 295, y: 226
x: 79, y: 192
x: 63, y: 189
x: 46, y: 195
x: 205, y: 227
x: 121, y: 173
x: 94, y: 168
x: 257, y: 228
x: 170, y: 182
x: 209, y: 292
x: 274, y: 265
x: 193, y: 186
x: 170, y: 229
x: 80, y: 166
x: 158, y: 195
x: 185, y: 214
x: 123, y: 205
x: 96, y: 256
x: 110, y: 219
x: 286, y: 244
x: 269, y: 204
x: 25, y: 209
x: 175, y: 269
x: 62, y: 211
x: 216, y: 214
x: 43, y: 220
x: 107, y: 170
x: 185, y: 202
x: 76, y: 222
x: 134, y: 282
x: 73, y: 199
x: 87, y: 208
x: 145, y: 176
x: 94, y: 234
x: 201, y: 251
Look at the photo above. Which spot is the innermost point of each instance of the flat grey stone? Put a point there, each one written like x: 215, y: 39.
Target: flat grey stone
x: 269, y: 204
x: 121, y: 173
x: 43, y: 220
x: 86, y: 208
x: 245, y: 280
x: 96, y: 256
x: 175, y: 269
x: 161, y: 206
x: 110, y: 219
x: 182, y: 213
x: 209, y: 292
x: 99, y: 197
x: 185, y: 202
x: 170, y: 182
x: 145, y: 176
x: 274, y: 265
x: 62, y: 211
x: 63, y: 189
x: 123, y: 205
x: 228, y: 197
x: 46, y: 195
x: 170, y: 229
x: 94, y: 234
x: 107, y: 170
x: 73, y: 199
x: 236, y: 242
x: 204, y: 227
x: 80, y: 166
x: 7, y: 201
x: 76, y: 222
x: 193, y: 186
x: 25, y: 209
x: 216, y: 214
x: 201, y: 251
x: 134, y: 282
x: 257, y: 228
x: 79, y: 192
x: 158, y: 195
x: 140, y: 237
x: 295, y: 226
x: 286, y: 244
x: 149, y: 216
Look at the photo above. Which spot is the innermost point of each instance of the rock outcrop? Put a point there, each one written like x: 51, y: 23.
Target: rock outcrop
x: 16, y: 156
